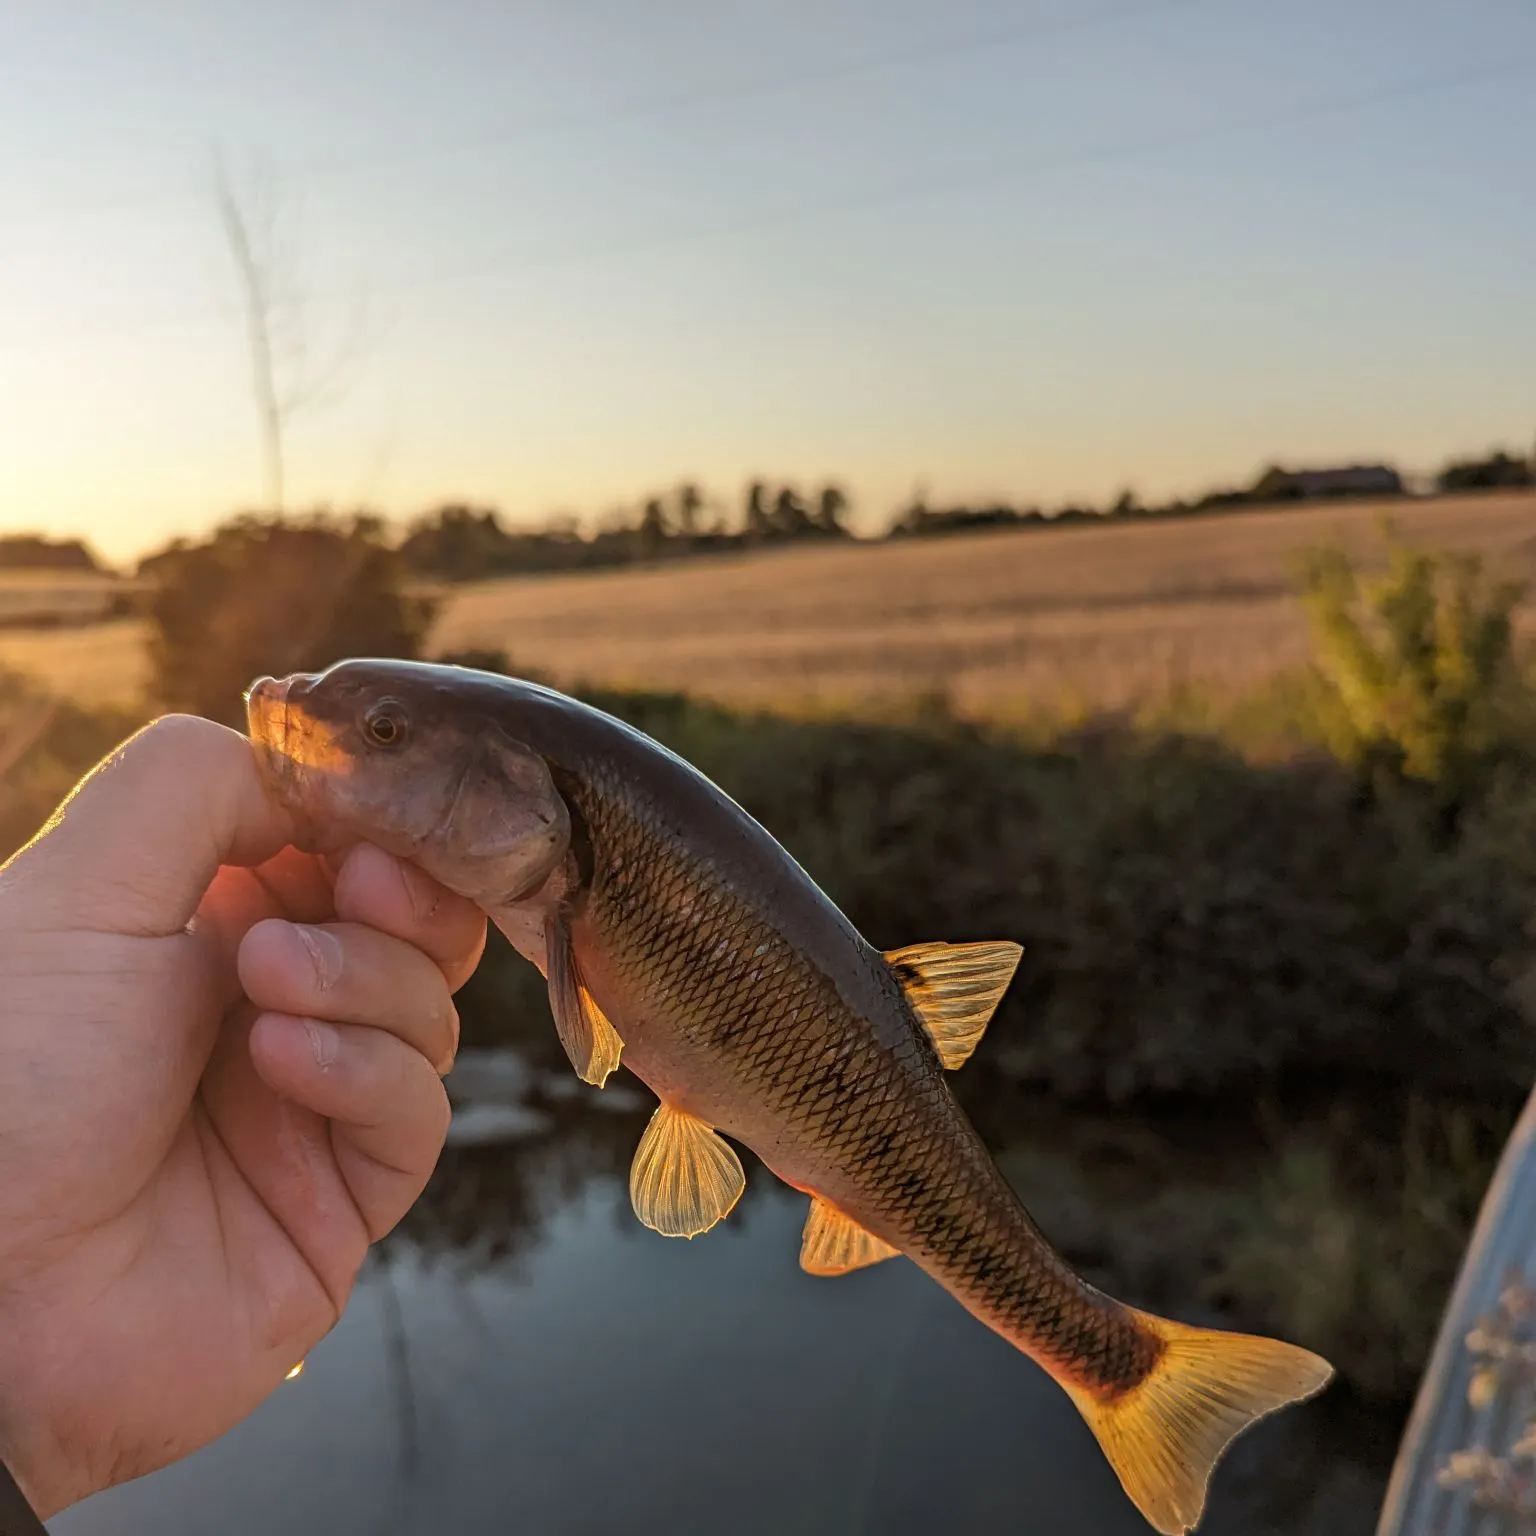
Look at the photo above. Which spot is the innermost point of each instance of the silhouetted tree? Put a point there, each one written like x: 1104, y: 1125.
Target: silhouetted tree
x: 458, y: 543
x: 32, y: 551
x: 653, y: 529
x: 759, y: 523
x: 1497, y: 471
x: 263, y: 595
x: 831, y: 508
x: 912, y: 518
x: 790, y: 518
x: 690, y: 502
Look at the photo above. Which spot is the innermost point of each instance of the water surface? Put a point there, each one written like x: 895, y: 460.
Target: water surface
x: 525, y: 1357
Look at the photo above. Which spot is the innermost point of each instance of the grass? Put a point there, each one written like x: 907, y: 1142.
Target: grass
x: 95, y: 664
x: 1099, y: 617
x: 1083, y: 617
x: 52, y: 597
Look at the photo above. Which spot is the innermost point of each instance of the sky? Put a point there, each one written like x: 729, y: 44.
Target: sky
x: 555, y: 255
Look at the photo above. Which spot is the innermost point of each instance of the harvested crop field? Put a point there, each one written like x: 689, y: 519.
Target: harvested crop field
x: 1105, y: 615
x: 1102, y: 615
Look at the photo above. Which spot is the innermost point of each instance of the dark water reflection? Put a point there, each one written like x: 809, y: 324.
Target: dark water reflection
x: 524, y: 1356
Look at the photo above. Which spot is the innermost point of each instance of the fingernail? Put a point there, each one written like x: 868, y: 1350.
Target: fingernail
x: 424, y: 894
x: 324, y: 951
x: 324, y: 1042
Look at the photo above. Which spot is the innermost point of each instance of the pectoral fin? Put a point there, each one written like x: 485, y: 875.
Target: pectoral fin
x: 832, y: 1244
x: 955, y: 988
x: 590, y: 1041
x: 685, y: 1176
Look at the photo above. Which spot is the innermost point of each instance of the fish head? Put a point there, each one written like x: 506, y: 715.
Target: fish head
x: 413, y: 759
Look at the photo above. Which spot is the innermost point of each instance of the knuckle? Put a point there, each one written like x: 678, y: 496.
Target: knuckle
x: 177, y: 737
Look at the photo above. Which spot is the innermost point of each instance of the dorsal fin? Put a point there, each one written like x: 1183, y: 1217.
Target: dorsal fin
x: 955, y: 988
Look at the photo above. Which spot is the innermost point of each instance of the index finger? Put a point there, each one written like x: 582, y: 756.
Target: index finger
x: 399, y: 899
x: 140, y: 838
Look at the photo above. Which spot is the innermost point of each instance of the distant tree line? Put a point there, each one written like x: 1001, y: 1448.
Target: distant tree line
x: 458, y: 543
x: 1274, y: 486
x: 1497, y: 471
x: 34, y: 552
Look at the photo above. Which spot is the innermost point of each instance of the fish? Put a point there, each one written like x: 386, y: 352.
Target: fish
x: 679, y: 937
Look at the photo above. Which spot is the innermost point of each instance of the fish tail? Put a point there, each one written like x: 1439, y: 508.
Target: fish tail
x: 1164, y: 1435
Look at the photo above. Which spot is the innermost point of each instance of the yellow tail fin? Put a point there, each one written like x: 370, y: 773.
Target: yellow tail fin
x: 1165, y: 1436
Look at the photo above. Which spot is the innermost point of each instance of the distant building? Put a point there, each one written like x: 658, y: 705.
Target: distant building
x: 1305, y: 484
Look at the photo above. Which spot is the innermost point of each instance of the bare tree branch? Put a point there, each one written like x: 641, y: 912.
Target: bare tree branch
x: 284, y: 376
x: 256, y: 290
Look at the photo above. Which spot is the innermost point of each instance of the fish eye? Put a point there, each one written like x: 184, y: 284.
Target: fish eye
x: 385, y: 725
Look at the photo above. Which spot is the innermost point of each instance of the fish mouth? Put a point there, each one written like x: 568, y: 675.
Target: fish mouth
x: 268, y: 726
x: 299, y: 759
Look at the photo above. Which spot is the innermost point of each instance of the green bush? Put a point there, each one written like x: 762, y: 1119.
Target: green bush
x: 1418, y: 675
x: 272, y: 596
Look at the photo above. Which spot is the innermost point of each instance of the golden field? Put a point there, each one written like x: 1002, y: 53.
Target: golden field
x: 1099, y: 616
x: 56, y: 596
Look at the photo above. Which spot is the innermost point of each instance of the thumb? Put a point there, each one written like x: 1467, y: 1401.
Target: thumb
x: 136, y: 844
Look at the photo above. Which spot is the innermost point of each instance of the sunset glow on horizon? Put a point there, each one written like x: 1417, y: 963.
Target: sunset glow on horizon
x: 573, y: 256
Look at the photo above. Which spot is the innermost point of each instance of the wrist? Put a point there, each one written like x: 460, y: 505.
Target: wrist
x: 33, y: 1451
x: 35, y: 1468
x: 31, y: 1482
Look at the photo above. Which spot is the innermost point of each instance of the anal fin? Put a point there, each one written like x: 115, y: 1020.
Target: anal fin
x: 591, y: 1042
x: 954, y: 989
x: 834, y: 1244
x: 685, y: 1176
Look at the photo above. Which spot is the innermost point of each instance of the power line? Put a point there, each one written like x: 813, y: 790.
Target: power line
x: 997, y: 172
x: 635, y: 111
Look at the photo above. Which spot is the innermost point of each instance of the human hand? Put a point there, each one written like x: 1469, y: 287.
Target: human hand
x: 219, y: 1082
